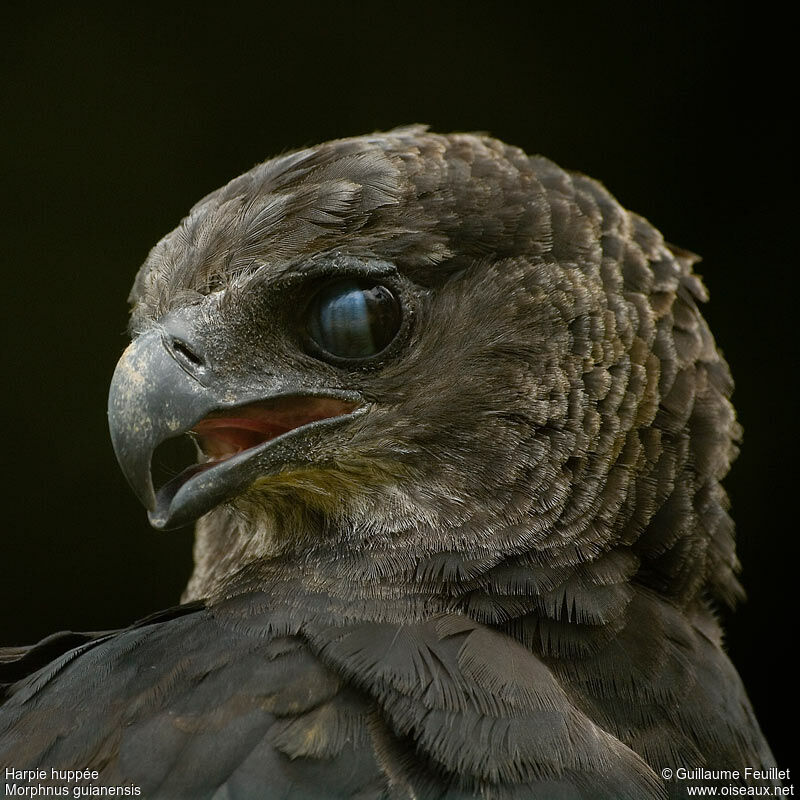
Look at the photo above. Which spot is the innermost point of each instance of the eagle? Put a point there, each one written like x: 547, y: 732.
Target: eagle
x: 460, y: 430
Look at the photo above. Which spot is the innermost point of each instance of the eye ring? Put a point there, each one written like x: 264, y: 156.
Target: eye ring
x: 353, y: 320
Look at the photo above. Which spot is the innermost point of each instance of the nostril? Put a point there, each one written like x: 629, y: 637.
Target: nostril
x: 186, y: 352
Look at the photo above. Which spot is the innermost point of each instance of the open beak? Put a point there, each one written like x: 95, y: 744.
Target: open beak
x: 241, y: 435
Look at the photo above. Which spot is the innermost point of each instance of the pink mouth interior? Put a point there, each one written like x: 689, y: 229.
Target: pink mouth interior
x: 224, y: 434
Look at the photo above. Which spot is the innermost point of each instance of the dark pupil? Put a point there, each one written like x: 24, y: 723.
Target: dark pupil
x: 354, y: 320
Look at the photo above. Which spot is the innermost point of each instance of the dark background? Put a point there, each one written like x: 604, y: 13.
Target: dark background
x: 114, y: 122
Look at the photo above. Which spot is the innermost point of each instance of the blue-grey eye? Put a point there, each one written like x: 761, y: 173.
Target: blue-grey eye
x: 354, y: 319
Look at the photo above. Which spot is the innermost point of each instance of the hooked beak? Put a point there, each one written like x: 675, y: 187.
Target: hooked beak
x: 157, y: 393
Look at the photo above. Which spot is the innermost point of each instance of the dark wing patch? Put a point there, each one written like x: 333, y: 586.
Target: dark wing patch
x: 466, y: 711
x: 294, y: 704
x: 193, y: 707
x: 18, y: 663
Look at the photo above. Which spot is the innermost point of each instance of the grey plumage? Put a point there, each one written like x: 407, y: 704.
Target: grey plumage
x: 497, y: 576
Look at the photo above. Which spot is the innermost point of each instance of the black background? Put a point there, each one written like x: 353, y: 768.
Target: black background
x: 115, y: 121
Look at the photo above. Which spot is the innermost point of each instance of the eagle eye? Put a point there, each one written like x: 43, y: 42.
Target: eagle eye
x: 354, y: 319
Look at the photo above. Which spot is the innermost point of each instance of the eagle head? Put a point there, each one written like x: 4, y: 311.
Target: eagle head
x: 431, y: 357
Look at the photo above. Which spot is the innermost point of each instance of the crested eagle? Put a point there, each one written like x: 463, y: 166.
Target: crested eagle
x: 460, y: 430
